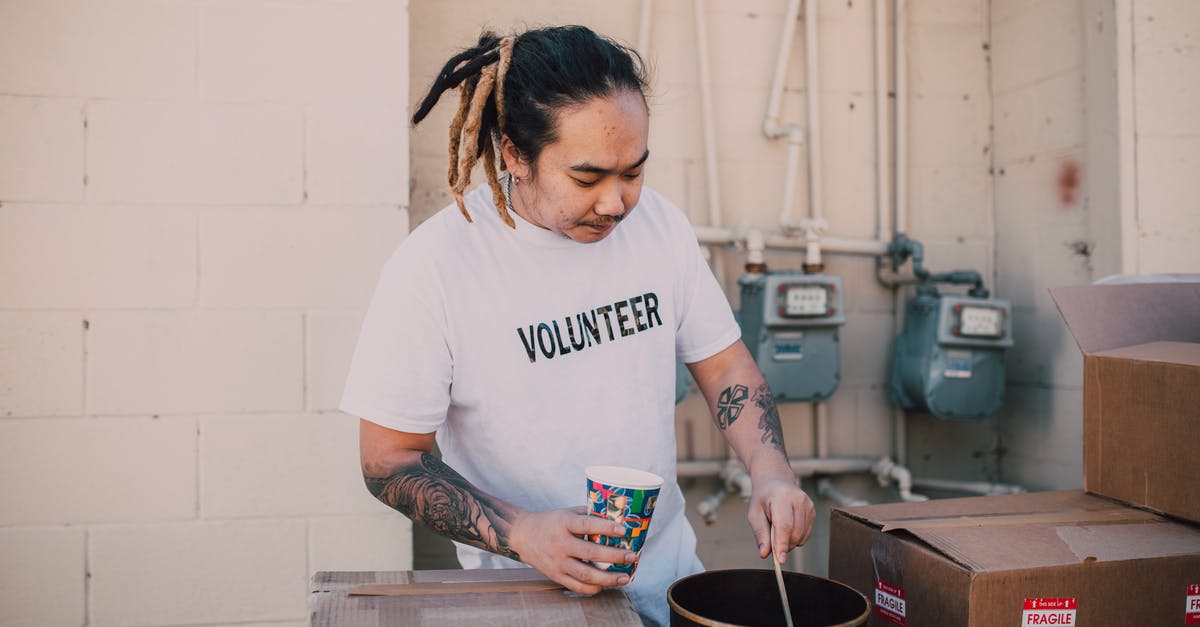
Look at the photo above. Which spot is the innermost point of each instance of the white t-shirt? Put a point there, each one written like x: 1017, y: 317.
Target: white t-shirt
x: 534, y: 356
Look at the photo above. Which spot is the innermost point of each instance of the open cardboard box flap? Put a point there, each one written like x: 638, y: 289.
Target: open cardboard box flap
x: 982, y: 561
x: 988, y: 534
x: 1104, y: 317
x: 1141, y: 388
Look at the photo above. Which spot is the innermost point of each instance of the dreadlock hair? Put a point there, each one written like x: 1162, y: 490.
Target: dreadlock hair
x: 513, y: 87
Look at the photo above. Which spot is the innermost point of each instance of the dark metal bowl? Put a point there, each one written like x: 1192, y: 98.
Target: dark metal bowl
x: 750, y: 598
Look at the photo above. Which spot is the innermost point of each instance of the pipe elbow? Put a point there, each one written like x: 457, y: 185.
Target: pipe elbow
x: 736, y: 478
x: 756, y: 243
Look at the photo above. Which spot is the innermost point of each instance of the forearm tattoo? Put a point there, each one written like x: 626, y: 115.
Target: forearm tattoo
x: 768, y: 423
x: 432, y: 493
x: 729, y: 405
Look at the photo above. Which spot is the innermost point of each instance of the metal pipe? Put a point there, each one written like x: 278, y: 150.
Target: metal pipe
x: 826, y: 489
x: 886, y: 471
x: 802, y: 466
x: 900, y: 222
x: 901, y: 43
x: 710, y: 236
x: 974, y: 487
x: 736, y: 478
x: 771, y: 127
x: 883, y: 157
x: 812, y: 80
x: 643, y: 44
x: 795, y: 143
x: 755, y: 245
x: 709, y: 507
x: 821, y: 418
x: 706, y: 114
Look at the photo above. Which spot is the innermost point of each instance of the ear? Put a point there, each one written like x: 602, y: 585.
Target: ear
x: 513, y: 159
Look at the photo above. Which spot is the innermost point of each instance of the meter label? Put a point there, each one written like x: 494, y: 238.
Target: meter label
x: 982, y: 322
x: 958, y: 364
x: 1192, y: 615
x: 889, y: 602
x: 1049, y: 612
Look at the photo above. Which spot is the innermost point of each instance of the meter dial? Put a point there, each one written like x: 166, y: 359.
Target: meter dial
x: 981, y: 321
x: 805, y: 300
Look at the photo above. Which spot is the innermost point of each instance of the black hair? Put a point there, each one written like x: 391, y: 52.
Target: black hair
x: 550, y: 68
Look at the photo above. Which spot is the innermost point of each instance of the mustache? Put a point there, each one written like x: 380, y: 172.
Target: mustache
x: 606, y: 220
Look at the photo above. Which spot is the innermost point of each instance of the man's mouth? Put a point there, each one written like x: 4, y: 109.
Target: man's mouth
x: 605, y: 223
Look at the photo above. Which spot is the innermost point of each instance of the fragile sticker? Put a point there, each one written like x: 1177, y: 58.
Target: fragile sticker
x: 1192, y: 614
x: 1049, y: 612
x: 889, y: 601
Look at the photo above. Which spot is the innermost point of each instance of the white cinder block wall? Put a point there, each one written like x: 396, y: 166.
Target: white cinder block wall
x: 196, y: 195
x: 195, y: 199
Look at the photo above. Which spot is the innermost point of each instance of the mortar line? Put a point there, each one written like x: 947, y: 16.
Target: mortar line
x: 304, y: 362
x: 87, y: 576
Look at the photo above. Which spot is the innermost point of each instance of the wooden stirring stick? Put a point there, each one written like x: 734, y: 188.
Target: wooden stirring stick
x: 787, y: 609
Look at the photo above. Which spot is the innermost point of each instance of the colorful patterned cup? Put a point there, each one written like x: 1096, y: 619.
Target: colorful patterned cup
x: 626, y: 496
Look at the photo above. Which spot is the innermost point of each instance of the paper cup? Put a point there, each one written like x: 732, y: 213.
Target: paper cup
x: 626, y: 496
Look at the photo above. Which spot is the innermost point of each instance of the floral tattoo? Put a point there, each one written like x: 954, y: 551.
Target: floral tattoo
x: 768, y: 423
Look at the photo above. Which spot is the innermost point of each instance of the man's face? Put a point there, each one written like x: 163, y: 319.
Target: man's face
x: 591, y: 178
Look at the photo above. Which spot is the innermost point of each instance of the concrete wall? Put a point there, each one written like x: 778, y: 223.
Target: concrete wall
x: 195, y: 199
x: 1165, y: 62
x: 1042, y: 232
x: 1093, y: 146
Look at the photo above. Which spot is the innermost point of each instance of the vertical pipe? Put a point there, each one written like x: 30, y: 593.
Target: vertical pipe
x: 821, y: 416
x: 771, y: 127
x: 813, y: 80
x: 900, y: 41
x: 706, y: 112
x: 883, y: 155
x: 643, y: 41
x: 795, y: 143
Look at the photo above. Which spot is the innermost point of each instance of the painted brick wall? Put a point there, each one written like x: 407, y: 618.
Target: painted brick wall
x: 1090, y: 97
x: 1166, y: 60
x: 195, y: 199
x: 1042, y: 233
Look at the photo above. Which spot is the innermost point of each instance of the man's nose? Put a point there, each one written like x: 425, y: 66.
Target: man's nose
x: 610, y: 203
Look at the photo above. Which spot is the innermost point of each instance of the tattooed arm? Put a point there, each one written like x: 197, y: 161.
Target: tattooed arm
x: 401, y: 471
x: 744, y: 409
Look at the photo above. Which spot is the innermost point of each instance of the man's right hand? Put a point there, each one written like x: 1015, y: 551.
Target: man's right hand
x: 551, y: 543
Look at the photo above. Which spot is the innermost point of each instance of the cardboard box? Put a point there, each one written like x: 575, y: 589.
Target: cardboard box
x: 1141, y: 391
x: 1050, y: 558
x: 517, y: 596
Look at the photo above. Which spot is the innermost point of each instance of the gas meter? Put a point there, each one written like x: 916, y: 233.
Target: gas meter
x: 949, y: 360
x: 790, y: 325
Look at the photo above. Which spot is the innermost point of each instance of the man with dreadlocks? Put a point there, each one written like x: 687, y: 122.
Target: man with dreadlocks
x: 539, y: 335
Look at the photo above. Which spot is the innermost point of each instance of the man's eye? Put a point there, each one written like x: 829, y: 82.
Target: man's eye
x: 632, y: 175
x: 583, y: 183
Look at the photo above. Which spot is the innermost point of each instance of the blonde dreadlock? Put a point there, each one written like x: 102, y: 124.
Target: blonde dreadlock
x: 466, y: 145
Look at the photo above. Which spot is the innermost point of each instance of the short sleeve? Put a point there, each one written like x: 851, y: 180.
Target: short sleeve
x: 401, y: 371
x: 705, y: 324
